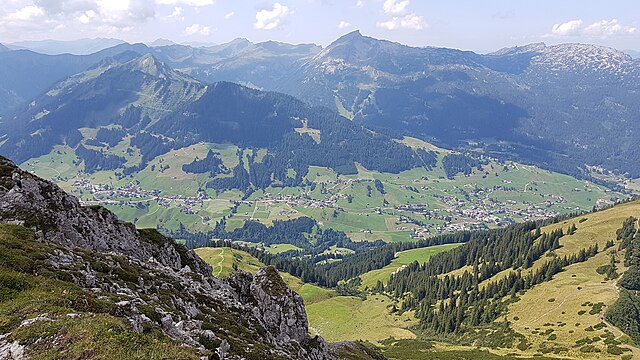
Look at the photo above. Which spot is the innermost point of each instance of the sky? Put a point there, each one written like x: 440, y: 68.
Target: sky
x: 478, y: 25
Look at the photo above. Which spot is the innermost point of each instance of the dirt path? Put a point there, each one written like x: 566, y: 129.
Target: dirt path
x: 547, y: 313
x: 219, y: 267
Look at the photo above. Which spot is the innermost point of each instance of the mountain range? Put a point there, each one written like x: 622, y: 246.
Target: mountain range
x: 561, y: 107
x: 162, y: 109
x: 373, y: 178
x: 75, y: 47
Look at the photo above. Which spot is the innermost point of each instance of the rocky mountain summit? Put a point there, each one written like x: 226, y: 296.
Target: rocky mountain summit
x: 67, y: 270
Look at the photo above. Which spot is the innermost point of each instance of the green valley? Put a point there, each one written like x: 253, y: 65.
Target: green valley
x: 412, y: 204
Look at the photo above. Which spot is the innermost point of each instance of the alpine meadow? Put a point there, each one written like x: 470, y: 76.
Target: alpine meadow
x: 319, y: 180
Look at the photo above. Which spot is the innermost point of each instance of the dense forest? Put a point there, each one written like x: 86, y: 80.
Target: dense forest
x: 309, y: 269
x: 212, y: 164
x: 368, y: 255
x: 110, y: 136
x: 625, y: 312
x: 96, y: 160
x: 302, y: 232
x: 455, y: 164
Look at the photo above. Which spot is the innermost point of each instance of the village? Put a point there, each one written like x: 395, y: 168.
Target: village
x: 132, y: 194
x: 453, y: 209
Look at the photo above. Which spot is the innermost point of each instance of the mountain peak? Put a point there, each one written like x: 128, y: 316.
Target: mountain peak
x: 150, y: 65
x: 239, y: 40
x: 161, y: 42
x: 3, y: 48
x: 515, y: 50
x: 352, y: 47
x: 351, y: 35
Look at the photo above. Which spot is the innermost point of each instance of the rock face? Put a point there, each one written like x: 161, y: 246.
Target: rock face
x: 153, y: 281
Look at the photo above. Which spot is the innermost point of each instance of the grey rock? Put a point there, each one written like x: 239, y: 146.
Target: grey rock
x: 10, y: 350
x: 157, y: 282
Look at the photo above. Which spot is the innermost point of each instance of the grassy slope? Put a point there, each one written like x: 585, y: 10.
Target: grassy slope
x: 90, y: 334
x: 558, y: 313
x: 425, y: 350
x: 574, y: 289
x: 280, y: 248
x: 421, y: 255
x: 336, y: 318
x: 351, y: 318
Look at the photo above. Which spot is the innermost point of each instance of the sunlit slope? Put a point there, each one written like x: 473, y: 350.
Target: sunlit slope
x: 223, y: 261
x: 568, y: 311
x: 336, y: 318
x: 421, y: 255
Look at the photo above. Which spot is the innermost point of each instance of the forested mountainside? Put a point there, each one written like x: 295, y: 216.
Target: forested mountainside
x: 79, y: 282
x: 160, y: 109
x: 26, y: 74
x: 559, y: 107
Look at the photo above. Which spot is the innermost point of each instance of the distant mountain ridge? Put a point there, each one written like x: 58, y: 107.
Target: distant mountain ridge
x: 548, y: 105
x: 161, y: 109
x: 74, y: 47
x: 560, y: 107
x: 26, y: 74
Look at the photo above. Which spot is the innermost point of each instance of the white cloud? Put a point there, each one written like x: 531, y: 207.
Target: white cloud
x: 177, y: 11
x: 197, y: 29
x: 401, y: 17
x: 271, y: 19
x: 343, y: 24
x: 91, y: 17
x: 572, y: 27
x: 360, y: 3
x: 25, y: 14
x: 229, y: 15
x: 395, y: 8
x: 603, y: 28
x: 87, y: 16
x: 196, y: 3
x: 410, y: 22
x: 110, y: 14
x: 609, y: 28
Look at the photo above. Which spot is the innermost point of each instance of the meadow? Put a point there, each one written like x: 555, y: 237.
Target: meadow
x: 421, y: 255
x: 500, y: 192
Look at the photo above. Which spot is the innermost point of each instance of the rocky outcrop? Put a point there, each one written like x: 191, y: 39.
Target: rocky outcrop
x: 60, y: 218
x: 154, y: 282
x: 10, y: 350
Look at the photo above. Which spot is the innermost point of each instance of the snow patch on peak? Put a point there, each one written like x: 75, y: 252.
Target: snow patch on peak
x: 583, y: 58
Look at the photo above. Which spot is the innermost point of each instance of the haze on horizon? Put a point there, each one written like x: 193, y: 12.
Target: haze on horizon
x: 469, y: 25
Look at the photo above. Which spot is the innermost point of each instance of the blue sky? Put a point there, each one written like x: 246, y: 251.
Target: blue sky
x: 484, y: 25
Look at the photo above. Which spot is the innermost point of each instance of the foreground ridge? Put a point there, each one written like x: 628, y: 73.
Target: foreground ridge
x: 74, y: 276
